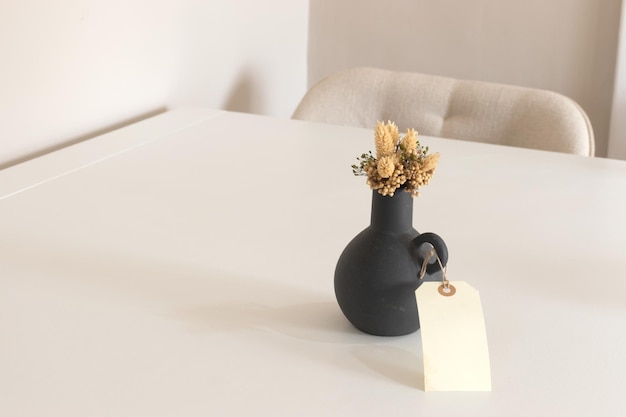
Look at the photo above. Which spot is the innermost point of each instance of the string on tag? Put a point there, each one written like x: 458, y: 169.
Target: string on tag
x: 446, y: 289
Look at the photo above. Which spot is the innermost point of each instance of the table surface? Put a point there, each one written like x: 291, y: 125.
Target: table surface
x: 184, y: 266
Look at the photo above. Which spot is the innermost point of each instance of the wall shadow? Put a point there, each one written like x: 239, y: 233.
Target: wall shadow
x: 244, y: 95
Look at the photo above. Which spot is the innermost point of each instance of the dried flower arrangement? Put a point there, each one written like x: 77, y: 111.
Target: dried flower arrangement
x: 399, y: 161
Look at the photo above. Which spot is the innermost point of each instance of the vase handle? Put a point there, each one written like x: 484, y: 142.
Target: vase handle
x: 439, y: 245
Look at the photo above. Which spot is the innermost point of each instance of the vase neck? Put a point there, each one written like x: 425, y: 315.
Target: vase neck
x: 392, y: 214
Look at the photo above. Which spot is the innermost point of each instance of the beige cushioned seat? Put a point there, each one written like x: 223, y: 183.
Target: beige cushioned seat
x: 451, y: 108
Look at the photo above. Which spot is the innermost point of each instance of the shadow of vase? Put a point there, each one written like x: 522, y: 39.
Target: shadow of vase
x: 396, y: 364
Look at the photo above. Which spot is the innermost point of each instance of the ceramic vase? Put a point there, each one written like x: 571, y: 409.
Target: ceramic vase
x: 378, y: 272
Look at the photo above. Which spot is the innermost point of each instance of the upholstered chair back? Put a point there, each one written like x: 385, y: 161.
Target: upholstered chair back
x: 451, y: 108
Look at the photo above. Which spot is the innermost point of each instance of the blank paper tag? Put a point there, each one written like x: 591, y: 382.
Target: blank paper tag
x: 454, y: 339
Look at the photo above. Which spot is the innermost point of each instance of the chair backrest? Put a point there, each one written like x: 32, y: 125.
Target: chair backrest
x: 446, y: 107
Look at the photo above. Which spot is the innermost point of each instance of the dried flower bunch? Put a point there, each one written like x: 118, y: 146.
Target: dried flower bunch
x: 399, y: 161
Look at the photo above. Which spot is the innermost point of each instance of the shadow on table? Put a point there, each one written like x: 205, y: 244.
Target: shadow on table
x: 396, y: 364
x: 320, y: 322
x: 214, y: 302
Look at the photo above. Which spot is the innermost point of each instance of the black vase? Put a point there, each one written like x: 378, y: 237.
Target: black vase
x: 378, y: 272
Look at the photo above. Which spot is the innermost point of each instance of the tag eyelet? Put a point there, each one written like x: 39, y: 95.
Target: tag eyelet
x: 447, y: 291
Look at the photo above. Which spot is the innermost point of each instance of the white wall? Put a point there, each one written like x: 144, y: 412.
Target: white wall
x: 70, y: 69
x: 563, y: 45
x: 617, y: 137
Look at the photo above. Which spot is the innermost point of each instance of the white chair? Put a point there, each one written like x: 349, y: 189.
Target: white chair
x: 451, y: 108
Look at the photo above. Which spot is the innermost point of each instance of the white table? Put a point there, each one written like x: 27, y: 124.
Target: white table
x: 183, y: 266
